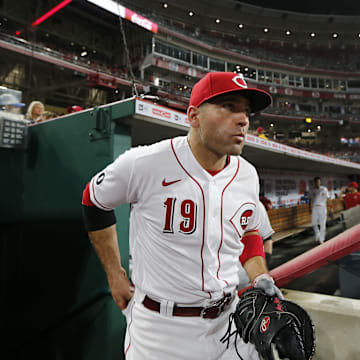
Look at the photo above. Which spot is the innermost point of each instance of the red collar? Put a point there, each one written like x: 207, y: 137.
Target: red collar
x: 214, y: 172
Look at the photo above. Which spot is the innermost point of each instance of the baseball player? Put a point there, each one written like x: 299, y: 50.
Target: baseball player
x: 318, y: 200
x: 194, y: 211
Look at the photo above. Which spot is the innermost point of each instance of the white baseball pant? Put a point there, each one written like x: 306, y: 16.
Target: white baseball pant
x: 153, y: 336
x: 318, y: 217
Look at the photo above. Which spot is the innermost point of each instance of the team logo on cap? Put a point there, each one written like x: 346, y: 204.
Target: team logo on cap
x: 239, y: 81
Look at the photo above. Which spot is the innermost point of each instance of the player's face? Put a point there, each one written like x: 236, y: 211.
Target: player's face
x: 317, y: 183
x: 223, y: 124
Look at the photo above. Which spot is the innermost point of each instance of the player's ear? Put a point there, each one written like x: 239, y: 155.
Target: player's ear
x: 193, y: 116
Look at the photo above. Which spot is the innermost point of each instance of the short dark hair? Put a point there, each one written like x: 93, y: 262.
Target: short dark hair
x: 317, y: 178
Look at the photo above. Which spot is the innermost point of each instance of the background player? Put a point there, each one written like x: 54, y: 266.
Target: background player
x: 194, y: 211
x: 318, y: 200
x: 352, y: 196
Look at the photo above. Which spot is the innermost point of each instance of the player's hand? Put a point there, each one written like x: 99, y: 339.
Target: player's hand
x: 266, y: 283
x: 121, y: 290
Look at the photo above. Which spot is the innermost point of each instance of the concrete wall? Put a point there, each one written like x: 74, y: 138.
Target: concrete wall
x: 337, y: 324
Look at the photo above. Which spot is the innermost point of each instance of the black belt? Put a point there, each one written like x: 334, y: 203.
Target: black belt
x: 208, y: 312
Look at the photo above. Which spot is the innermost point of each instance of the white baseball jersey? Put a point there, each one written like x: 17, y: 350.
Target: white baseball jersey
x: 319, y: 196
x: 265, y: 229
x: 185, y: 225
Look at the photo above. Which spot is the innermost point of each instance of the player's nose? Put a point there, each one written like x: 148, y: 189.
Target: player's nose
x: 241, y: 119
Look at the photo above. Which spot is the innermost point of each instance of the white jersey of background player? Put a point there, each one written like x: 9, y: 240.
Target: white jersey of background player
x: 318, y: 197
x: 192, y: 213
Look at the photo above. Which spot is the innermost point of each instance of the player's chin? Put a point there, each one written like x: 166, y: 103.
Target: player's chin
x: 235, y: 149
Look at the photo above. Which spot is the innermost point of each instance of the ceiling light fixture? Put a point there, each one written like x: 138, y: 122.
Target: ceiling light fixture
x: 266, y: 30
x: 287, y: 32
x: 191, y: 13
x: 217, y: 21
x: 312, y: 34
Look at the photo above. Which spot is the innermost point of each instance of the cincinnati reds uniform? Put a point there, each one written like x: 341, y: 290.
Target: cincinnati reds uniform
x: 186, y: 228
x: 319, y: 197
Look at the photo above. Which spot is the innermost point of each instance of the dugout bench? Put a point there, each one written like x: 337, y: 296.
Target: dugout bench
x: 291, y: 221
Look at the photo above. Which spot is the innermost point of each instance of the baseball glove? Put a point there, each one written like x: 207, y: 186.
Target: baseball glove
x: 268, y: 322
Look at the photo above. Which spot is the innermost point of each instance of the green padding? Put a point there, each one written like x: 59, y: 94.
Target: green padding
x: 48, y: 266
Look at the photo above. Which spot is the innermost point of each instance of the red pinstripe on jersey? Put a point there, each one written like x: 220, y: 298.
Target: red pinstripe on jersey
x: 203, y: 197
x: 221, y: 219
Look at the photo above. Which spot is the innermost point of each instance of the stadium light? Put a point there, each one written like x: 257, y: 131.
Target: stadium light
x: 51, y: 12
x: 241, y: 26
x: 266, y: 30
x: 165, y: 5
x: 312, y: 34
x: 217, y: 21
x: 287, y: 32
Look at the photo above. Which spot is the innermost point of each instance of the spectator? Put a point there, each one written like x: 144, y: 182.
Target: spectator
x: 46, y: 115
x: 351, y: 195
x: 74, y: 108
x: 34, y: 111
x: 9, y: 103
x: 261, y: 133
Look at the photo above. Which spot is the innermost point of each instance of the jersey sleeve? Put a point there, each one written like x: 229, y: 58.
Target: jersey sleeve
x: 327, y: 193
x: 254, y: 221
x: 265, y: 229
x: 116, y: 184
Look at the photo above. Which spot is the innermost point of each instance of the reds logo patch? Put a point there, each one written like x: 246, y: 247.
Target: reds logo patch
x: 242, y: 218
x: 265, y: 323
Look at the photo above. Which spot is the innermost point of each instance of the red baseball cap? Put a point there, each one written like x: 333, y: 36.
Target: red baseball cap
x: 74, y: 108
x: 219, y: 83
x: 353, y: 184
